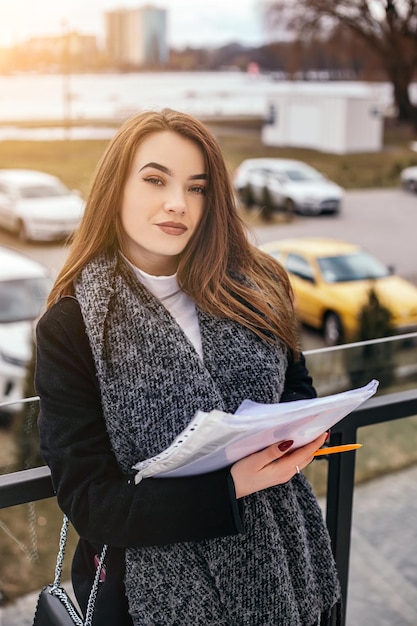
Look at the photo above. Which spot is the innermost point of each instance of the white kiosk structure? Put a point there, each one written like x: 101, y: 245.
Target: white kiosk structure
x: 339, y: 120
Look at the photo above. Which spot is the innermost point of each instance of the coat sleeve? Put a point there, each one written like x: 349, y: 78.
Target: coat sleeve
x: 298, y: 382
x: 104, y: 505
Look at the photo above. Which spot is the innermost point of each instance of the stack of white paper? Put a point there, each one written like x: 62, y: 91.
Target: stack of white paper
x: 216, y: 439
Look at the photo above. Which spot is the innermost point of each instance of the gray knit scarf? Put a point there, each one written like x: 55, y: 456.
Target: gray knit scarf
x: 280, y: 571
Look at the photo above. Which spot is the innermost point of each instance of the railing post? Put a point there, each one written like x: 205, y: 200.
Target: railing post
x: 339, y: 504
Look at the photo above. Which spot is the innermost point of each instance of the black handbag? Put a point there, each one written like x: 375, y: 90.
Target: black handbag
x: 54, y: 606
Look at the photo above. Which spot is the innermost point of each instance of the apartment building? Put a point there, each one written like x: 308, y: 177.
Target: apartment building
x: 137, y: 37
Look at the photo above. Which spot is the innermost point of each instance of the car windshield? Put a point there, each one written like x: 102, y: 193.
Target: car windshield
x: 23, y: 298
x: 303, y: 175
x: 43, y: 191
x: 347, y: 267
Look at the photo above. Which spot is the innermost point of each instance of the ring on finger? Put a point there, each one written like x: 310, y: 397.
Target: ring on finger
x: 297, y: 469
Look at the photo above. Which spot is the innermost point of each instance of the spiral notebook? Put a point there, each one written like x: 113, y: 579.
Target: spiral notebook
x: 217, y: 439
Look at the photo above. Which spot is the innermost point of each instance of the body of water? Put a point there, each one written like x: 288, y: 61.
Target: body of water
x: 117, y: 96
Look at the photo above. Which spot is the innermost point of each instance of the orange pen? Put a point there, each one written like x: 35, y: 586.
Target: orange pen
x: 333, y: 449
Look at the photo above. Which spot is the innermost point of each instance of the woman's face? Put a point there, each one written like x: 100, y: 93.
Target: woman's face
x: 162, y: 202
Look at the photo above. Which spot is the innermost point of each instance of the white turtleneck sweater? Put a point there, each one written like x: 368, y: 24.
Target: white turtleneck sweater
x: 181, y: 306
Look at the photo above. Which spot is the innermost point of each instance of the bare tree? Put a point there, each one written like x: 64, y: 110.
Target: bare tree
x: 387, y: 27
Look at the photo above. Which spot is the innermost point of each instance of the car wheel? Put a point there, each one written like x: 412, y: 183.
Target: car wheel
x: 22, y: 233
x: 289, y: 206
x: 246, y: 196
x: 409, y: 185
x: 332, y: 329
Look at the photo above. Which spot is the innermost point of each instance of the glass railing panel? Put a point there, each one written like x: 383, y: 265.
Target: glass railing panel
x: 29, y: 541
x: 391, y: 360
x: 19, y: 439
x: 29, y: 533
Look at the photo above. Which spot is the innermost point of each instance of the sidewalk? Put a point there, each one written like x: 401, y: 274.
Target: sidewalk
x: 382, y: 587
x: 383, y: 564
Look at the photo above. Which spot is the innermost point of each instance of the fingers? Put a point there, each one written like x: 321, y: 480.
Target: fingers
x: 272, y: 453
x: 274, y: 465
x: 253, y: 473
x: 309, y: 449
x: 303, y: 455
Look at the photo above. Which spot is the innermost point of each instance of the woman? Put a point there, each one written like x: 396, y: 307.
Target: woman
x: 164, y: 308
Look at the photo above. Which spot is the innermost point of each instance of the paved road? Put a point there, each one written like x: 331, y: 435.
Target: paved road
x: 383, y: 568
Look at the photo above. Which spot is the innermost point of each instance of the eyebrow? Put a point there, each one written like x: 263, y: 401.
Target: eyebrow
x: 166, y: 170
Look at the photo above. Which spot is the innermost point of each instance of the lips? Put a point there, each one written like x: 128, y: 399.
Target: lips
x: 172, y: 228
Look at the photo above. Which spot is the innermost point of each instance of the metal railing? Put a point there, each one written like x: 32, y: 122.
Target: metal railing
x: 341, y: 474
x: 35, y: 484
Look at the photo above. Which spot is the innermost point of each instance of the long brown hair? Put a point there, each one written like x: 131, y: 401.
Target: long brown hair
x: 223, y: 273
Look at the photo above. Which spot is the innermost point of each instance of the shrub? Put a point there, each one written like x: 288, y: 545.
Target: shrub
x: 372, y: 360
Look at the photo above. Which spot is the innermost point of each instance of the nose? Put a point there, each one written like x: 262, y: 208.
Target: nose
x: 176, y: 204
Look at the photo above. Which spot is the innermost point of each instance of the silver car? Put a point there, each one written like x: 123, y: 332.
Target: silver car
x: 37, y: 206
x: 24, y: 286
x: 291, y: 185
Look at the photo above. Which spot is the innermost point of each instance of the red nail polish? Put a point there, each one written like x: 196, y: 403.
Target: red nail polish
x: 327, y: 436
x: 285, y: 445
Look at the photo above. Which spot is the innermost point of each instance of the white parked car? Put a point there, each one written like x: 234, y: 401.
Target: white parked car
x: 292, y: 185
x: 408, y: 178
x: 38, y: 206
x: 24, y: 287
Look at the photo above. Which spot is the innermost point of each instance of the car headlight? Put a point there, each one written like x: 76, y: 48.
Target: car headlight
x: 13, y: 360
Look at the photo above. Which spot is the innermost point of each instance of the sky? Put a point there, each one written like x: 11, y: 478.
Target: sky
x: 190, y: 22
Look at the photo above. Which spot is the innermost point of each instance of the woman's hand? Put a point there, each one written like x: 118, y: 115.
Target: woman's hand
x: 272, y: 466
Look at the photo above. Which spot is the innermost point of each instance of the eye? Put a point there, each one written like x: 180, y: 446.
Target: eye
x: 199, y: 189
x: 154, y: 180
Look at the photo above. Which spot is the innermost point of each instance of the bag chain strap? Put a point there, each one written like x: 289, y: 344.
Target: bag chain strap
x: 57, y: 589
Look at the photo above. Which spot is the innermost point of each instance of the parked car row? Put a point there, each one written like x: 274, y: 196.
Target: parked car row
x: 332, y: 279
x: 38, y: 206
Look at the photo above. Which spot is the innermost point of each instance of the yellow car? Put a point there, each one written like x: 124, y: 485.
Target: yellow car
x: 331, y: 280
